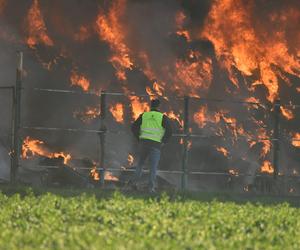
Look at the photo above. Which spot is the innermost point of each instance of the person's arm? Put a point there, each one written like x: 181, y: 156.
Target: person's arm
x: 135, y: 127
x: 168, y: 129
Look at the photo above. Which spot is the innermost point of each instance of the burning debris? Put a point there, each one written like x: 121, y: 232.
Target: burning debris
x: 32, y: 147
x: 36, y: 148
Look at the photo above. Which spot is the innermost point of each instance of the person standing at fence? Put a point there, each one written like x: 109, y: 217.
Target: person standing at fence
x: 152, y: 129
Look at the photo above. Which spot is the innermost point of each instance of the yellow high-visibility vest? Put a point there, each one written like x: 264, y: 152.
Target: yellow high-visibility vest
x: 151, y: 127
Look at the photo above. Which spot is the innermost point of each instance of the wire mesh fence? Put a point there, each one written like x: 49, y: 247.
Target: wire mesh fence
x: 200, y: 125
x: 211, y: 137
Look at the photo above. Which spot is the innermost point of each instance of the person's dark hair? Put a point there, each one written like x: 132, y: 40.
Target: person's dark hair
x: 155, y: 103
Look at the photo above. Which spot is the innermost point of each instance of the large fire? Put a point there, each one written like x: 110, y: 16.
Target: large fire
x: 246, y: 50
x: 240, y: 44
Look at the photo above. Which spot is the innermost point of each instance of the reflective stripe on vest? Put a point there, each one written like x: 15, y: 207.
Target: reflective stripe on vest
x: 151, y: 127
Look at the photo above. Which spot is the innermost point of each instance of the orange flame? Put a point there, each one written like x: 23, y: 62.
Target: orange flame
x: 180, y: 20
x: 37, y: 31
x: 110, y: 29
x: 262, y: 136
x: 233, y: 172
x: 138, y: 106
x: 200, y: 117
x: 223, y: 150
x: 117, y: 112
x: 95, y: 174
x: 287, y: 113
x: 158, y: 88
x: 175, y: 117
x: 194, y: 73
x: 147, y: 69
x: 79, y: 80
x: 241, y: 46
x: 32, y: 147
x: 252, y: 100
x: 267, y: 167
x: 110, y: 177
x: 266, y: 146
x: 130, y: 159
x: 88, y: 115
x: 296, y: 138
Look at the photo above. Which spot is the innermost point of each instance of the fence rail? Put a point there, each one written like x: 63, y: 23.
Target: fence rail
x: 203, y: 99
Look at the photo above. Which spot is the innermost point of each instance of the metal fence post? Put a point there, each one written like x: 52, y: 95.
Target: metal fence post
x: 17, y: 119
x: 276, y: 137
x: 102, y: 135
x: 12, y: 132
x: 185, y: 143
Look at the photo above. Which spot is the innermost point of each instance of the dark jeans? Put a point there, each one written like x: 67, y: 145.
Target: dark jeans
x: 153, y: 154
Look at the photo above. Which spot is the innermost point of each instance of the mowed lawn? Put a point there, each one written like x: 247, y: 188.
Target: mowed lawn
x: 58, y: 219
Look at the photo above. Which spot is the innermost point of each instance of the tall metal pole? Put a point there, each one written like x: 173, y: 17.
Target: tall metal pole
x: 276, y: 138
x: 184, y: 176
x: 17, y: 118
x: 102, y: 135
x: 12, y: 143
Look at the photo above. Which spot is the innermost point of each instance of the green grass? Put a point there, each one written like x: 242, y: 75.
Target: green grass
x: 67, y: 219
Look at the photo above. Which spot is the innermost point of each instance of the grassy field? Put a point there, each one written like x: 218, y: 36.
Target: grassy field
x: 66, y: 219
